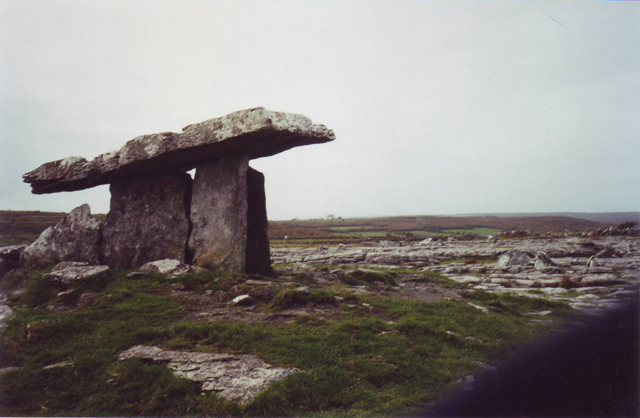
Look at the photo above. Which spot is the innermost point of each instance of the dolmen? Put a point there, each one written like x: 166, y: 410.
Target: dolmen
x: 217, y: 220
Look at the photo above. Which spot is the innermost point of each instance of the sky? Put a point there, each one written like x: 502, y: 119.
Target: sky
x: 439, y: 107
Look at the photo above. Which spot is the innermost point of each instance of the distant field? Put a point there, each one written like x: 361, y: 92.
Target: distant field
x: 23, y: 227
x: 424, y: 226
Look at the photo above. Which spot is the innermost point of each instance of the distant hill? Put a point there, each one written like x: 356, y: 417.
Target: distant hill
x: 610, y: 218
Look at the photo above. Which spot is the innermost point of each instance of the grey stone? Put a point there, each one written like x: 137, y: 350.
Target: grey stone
x: 147, y: 220
x: 542, y: 260
x: 601, y: 280
x: 66, y: 264
x: 14, y: 280
x: 173, y: 268
x: 218, y: 237
x: 238, y: 377
x: 514, y: 258
x: 75, y: 238
x: 242, y: 300
x: 257, y: 257
x: 75, y: 274
x: 10, y: 258
x: 5, y: 313
x: 253, y: 132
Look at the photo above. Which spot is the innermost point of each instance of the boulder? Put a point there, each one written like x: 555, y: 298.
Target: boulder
x: 75, y: 238
x: 219, y: 205
x: 254, y: 132
x: 74, y: 274
x: 10, y: 258
x: 237, y: 377
x: 147, y: 221
x: 542, y: 261
x: 514, y: 258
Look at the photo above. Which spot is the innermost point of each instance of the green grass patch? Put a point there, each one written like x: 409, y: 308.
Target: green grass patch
x: 378, y: 356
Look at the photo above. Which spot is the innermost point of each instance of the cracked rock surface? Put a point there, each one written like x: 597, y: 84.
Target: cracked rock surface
x: 238, y: 377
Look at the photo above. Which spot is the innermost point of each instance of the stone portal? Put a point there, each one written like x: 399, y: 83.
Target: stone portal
x: 218, y: 221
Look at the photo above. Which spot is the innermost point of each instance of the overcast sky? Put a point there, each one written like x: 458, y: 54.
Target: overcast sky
x: 439, y: 107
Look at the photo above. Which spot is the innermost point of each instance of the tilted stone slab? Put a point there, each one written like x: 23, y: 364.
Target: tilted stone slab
x: 76, y: 237
x: 147, y: 221
x: 254, y: 132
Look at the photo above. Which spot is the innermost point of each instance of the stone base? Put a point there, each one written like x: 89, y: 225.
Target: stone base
x: 148, y: 220
x: 229, y: 218
x: 219, y: 214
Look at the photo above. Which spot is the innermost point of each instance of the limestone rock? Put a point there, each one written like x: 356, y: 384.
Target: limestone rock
x: 238, y: 377
x: 147, y: 220
x: 254, y: 132
x: 10, y: 258
x: 258, y: 257
x: 14, y: 280
x: 173, y: 268
x: 514, y: 258
x: 5, y: 313
x: 219, y: 215
x: 542, y: 260
x: 75, y: 238
x: 76, y: 273
x: 242, y: 300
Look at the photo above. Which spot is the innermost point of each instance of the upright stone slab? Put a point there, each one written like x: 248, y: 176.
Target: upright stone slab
x: 258, y: 257
x: 219, y: 214
x: 147, y: 221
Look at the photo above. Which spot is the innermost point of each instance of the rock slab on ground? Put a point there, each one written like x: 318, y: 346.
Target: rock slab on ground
x: 238, y: 377
x: 73, y: 274
x: 75, y: 238
x: 147, y: 221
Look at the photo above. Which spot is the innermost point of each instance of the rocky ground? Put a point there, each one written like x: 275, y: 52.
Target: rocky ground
x: 327, y: 285
x: 591, y: 274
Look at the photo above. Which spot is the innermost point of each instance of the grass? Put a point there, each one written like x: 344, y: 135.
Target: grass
x: 473, y: 231
x: 379, y: 356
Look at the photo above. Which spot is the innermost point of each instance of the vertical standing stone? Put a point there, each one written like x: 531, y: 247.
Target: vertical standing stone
x: 219, y: 214
x: 147, y: 221
x: 258, y: 258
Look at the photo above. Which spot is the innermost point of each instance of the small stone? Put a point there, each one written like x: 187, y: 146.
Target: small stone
x: 480, y: 308
x: 208, y: 292
x: 86, y: 299
x: 303, y: 289
x: 243, y: 300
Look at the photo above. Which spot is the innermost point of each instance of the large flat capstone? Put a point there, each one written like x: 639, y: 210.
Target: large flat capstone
x: 254, y: 132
